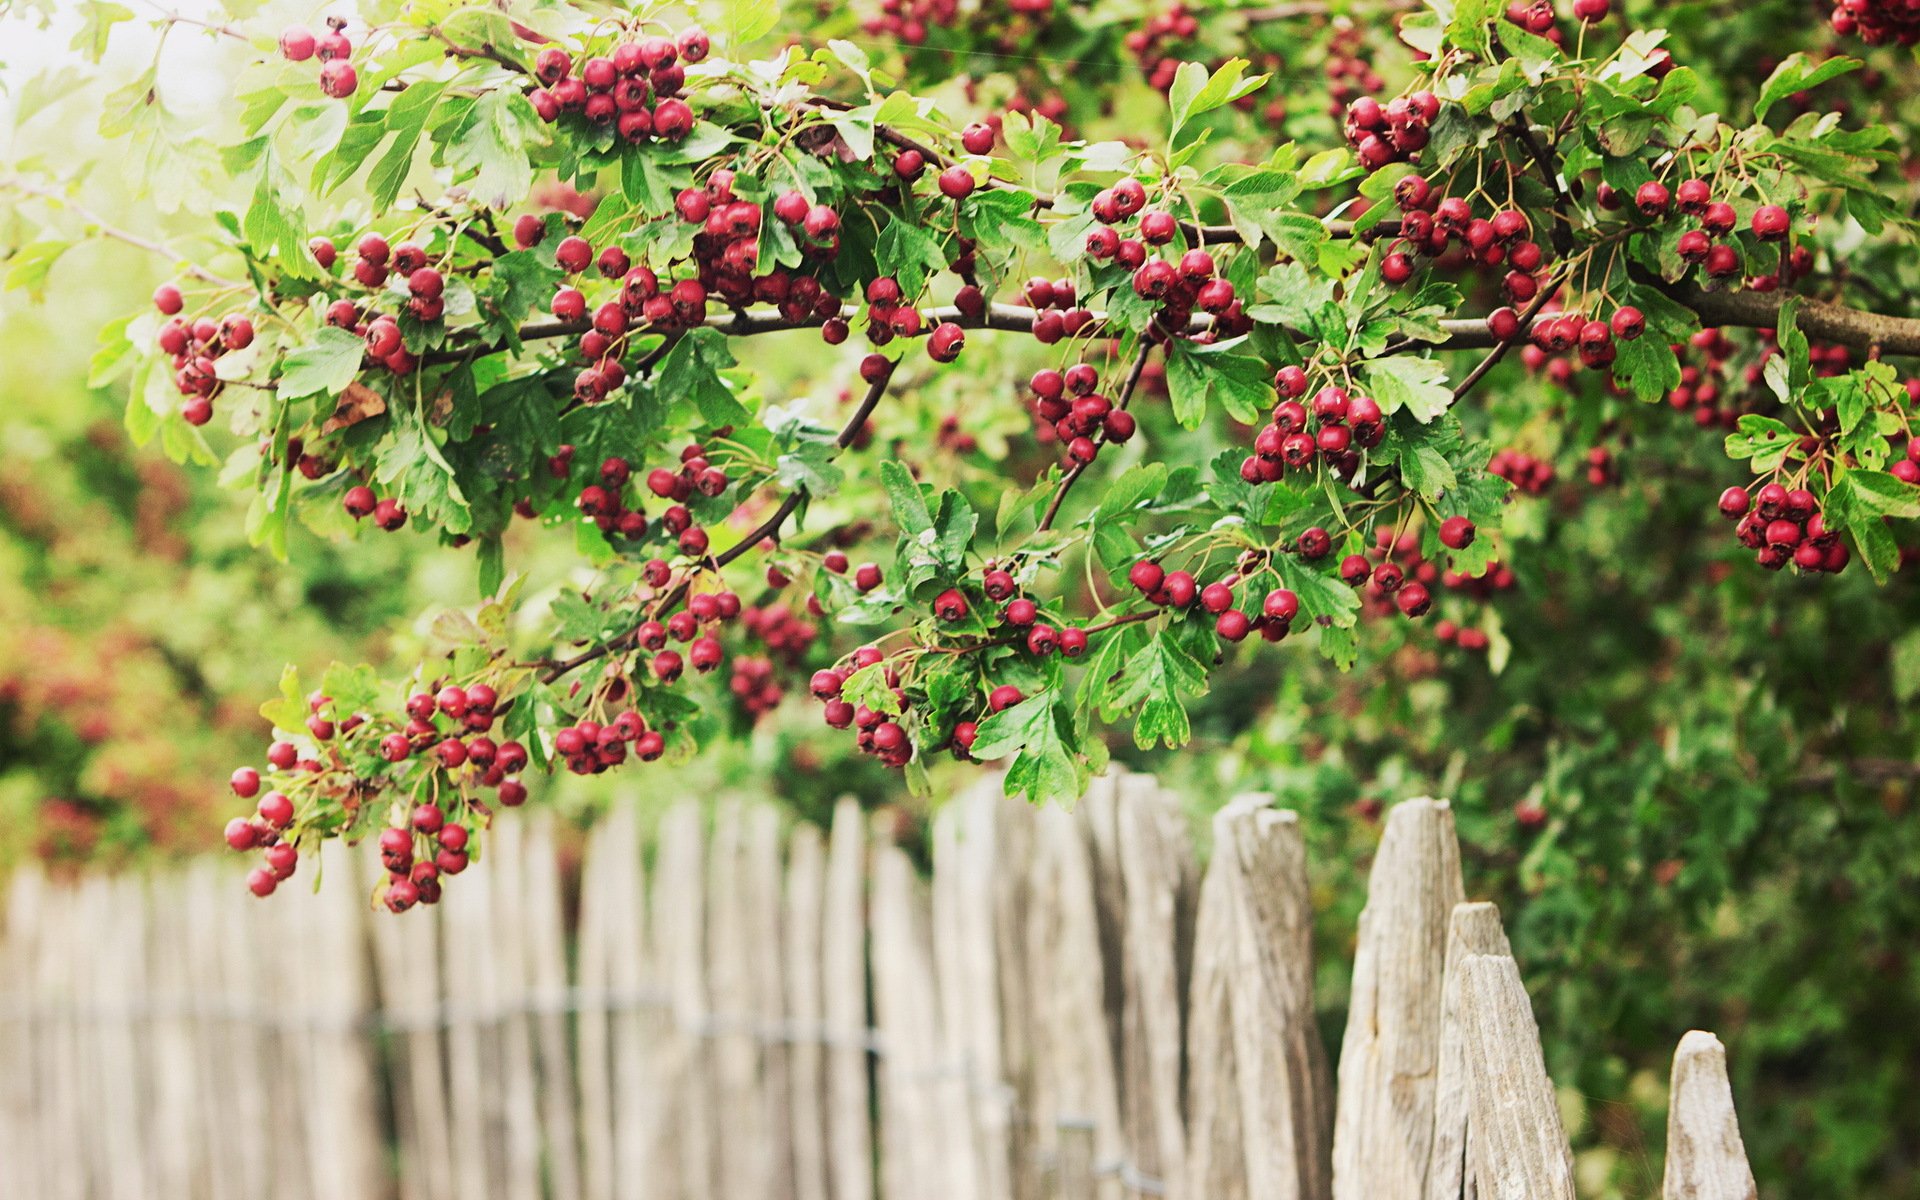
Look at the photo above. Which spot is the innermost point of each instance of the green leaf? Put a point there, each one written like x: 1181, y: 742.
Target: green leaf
x: 1870, y: 495
x: 407, y: 119
x: 325, y: 367
x: 1239, y: 383
x: 28, y: 267
x: 911, y: 253
x: 1152, y: 684
x: 691, y: 371
x: 1195, y: 92
x: 1404, y: 381
x: 1037, y: 731
x: 1763, y: 439
x: 1797, y: 73
x: 1135, y: 486
x: 1647, y: 366
x: 491, y: 148
x: 90, y: 40
x: 909, y: 505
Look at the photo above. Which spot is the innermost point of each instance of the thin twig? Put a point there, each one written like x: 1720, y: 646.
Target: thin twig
x: 769, y: 528
x: 1121, y: 399
x: 117, y: 234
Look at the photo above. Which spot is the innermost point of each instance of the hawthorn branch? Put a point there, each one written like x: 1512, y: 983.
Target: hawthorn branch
x: 1492, y: 360
x: 484, y: 51
x: 1121, y: 399
x: 767, y: 529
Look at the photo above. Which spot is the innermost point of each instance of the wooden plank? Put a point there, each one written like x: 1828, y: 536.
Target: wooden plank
x: 641, y: 1026
x: 1286, y: 1090
x: 1389, y: 1058
x: 961, y: 1075
x: 1074, y: 1175
x: 1216, y: 1160
x: 1012, y: 890
x: 1156, y: 861
x: 473, y: 1093
x: 544, y: 972
x: 843, y: 987
x: 687, y: 1128
x: 1474, y: 928
x: 733, y: 966
x: 406, y: 953
x: 608, y: 929
x: 347, y: 1148
x: 1076, y: 1067
x: 21, y: 1036
x: 179, y: 1158
x: 766, y: 1000
x: 1519, y: 1149
x: 1706, y: 1157
x: 511, y: 1005
x: 804, y: 919
x: 906, y: 1004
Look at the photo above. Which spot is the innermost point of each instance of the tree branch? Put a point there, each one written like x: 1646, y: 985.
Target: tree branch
x: 769, y: 528
x: 1121, y: 399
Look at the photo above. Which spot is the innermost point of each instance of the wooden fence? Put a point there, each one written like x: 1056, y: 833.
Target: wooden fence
x: 1071, y: 1007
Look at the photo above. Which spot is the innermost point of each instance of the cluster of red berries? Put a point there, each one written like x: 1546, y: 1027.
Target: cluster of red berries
x: 1878, y: 22
x: 195, y: 347
x: 1784, y: 526
x: 878, y: 734
x: 605, y: 500
x: 1394, y: 576
x: 889, y: 315
x: 387, y: 513
x: 337, y: 76
x: 449, y: 728
x: 1021, y: 614
x: 1436, y: 225
x: 1393, y: 132
x: 1158, y: 45
x: 1537, y: 16
x: 1349, y: 74
x: 375, y: 262
x: 1068, y: 408
x: 1337, y: 427
x: 635, y: 89
x: 419, y: 855
x: 1179, y: 288
x: 590, y: 748
x: 1703, y: 246
x: 1178, y: 589
x: 1529, y: 475
x: 1056, y: 309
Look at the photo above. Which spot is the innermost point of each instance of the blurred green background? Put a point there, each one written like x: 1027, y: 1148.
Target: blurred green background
x: 1724, y: 759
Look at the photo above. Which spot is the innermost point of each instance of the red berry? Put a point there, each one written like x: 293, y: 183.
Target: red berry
x: 956, y: 183
x: 1456, y: 533
x: 1004, y: 697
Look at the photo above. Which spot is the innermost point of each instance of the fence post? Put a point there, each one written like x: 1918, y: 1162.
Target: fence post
x: 1383, y: 1124
x: 1706, y: 1157
x: 913, y: 1131
x: 1286, y: 1096
x: 803, y: 912
x: 1217, y: 1152
x: 1075, y: 1070
x: 1156, y: 865
x: 1473, y: 929
x: 1518, y: 1146
x: 686, y: 1151
x: 843, y: 963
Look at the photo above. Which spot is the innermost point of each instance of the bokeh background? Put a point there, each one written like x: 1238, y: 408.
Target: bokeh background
x: 1716, y: 764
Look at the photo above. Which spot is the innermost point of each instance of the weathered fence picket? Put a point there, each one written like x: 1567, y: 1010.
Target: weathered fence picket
x: 1068, y: 1007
